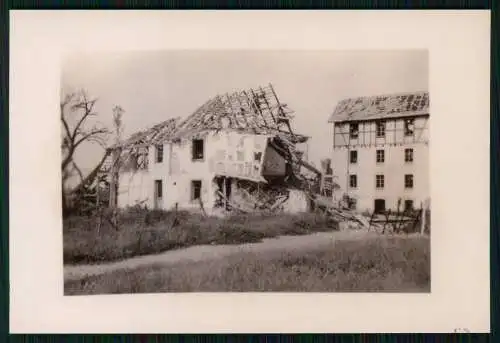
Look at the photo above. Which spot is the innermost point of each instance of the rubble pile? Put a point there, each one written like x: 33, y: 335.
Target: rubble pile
x: 293, y: 184
x: 250, y: 197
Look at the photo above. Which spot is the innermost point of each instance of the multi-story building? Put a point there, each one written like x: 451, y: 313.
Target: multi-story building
x: 381, y: 151
x: 237, y: 149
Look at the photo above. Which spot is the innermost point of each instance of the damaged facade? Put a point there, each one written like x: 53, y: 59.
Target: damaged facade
x: 381, y: 151
x: 237, y: 152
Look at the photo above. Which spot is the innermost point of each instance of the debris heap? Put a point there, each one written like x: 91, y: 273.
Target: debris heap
x: 256, y: 112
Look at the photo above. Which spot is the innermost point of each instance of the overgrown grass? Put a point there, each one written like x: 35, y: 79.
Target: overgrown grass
x: 143, y: 232
x: 383, y: 264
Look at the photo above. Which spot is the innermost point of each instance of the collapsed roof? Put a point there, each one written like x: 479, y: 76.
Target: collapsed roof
x: 152, y: 135
x: 255, y: 111
x: 381, y: 106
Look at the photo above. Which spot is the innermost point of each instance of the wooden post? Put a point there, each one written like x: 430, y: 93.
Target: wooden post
x: 371, y: 219
x: 387, y: 220
x: 224, y: 191
x: 397, y: 220
x: 422, y: 221
x: 176, y: 220
x: 99, y: 220
x: 98, y: 204
x: 202, y: 207
x: 98, y: 198
x: 113, y: 185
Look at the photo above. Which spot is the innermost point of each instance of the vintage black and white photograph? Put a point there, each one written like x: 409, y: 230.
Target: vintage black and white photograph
x: 246, y: 171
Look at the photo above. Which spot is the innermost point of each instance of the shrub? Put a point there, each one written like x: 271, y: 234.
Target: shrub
x: 142, y: 231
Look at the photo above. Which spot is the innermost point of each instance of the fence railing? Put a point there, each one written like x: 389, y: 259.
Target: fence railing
x: 407, y: 221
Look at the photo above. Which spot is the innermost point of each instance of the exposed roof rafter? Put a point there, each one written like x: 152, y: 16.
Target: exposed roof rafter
x: 381, y: 106
x: 254, y: 111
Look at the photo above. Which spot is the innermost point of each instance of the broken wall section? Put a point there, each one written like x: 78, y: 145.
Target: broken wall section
x: 188, y: 168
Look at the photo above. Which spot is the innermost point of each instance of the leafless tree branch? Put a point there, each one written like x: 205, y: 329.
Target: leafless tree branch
x: 78, y: 107
x: 68, y: 98
x: 91, y: 134
x: 75, y: 166
x: 76, y: 136
x: 87, y: 106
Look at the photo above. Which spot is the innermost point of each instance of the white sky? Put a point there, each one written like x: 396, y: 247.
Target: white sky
x: 155, y: 85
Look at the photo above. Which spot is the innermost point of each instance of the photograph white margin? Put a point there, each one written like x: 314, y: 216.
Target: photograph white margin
x: 459, y: 53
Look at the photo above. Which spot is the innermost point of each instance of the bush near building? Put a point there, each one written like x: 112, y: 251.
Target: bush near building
x: 141, y: 232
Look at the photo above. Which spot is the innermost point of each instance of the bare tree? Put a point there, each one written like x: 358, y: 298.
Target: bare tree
x: 116, y: 164
x: 77, y: 110
x: 118, y: 123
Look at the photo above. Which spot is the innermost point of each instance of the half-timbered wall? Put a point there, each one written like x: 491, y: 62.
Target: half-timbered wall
x: 394, y: 166
x: 394, y: 133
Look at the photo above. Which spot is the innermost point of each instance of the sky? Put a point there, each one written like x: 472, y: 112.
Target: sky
x: 152, y: 86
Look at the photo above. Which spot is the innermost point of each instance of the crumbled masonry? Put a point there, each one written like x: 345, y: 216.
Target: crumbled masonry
x: 256, y: 112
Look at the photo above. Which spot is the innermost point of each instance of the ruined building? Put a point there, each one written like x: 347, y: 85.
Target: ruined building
x: 381, y: 150
x: 235, y: 152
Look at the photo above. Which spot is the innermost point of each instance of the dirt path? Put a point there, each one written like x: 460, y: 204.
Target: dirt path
x: 204, y: 252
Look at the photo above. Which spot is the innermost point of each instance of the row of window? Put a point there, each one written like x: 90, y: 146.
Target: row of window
x: 195, y: 189
x: 409, y: 128
x: 380, y: 181
x: 380, y: 156
x: 197, y: 151
x: 379, y: 205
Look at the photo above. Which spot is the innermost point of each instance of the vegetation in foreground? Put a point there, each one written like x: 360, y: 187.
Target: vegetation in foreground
x: 384, y: 264
x: 141, y: 232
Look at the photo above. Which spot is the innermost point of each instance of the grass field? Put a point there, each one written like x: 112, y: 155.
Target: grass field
x: 142, y: 232
x: 383, y: 264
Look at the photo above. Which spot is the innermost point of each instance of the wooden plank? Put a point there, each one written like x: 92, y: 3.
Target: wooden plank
x: 267, y: 103
x: 243, y: 113
x: 278, y: 202
x: 229, y: 108
x: 233, y: 205
x: 257, y: 107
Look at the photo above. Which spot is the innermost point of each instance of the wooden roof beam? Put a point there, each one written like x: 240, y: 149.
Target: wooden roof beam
x: 259, y: 111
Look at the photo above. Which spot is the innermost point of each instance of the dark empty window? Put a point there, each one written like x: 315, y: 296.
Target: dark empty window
x: 198, y: 149
x: 327, y: 193
x: 158, y: 189
x: 159, y: 153
x: 380, y: 156
x: 139, y: 159
x: 353, y: 156
x: 408, y: 155
x: 408, y: 205
x: 353, y: 181
x: 408, y: 181
x: 257, y: 156
x: 380, y: 129
x: 379, y: 205
x: 379, y: 181
x: 354, y: 130
x: 195, y: 189
x: 409, y: 127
